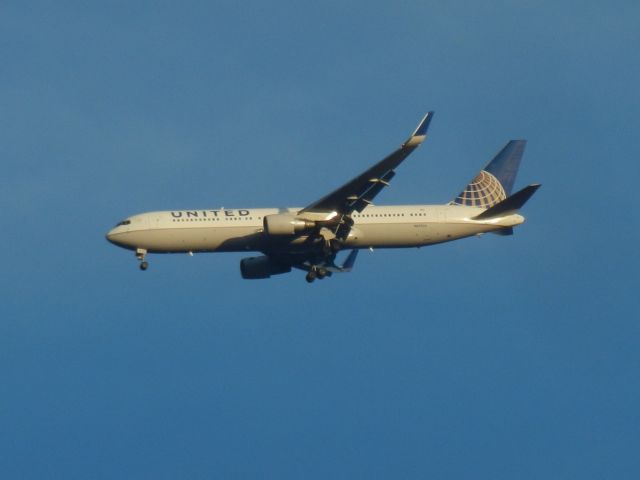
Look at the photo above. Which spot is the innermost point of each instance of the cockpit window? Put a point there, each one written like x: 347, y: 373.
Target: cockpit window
x: 124, y: 222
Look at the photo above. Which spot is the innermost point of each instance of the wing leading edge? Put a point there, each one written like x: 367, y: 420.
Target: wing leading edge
x: 356, y: 194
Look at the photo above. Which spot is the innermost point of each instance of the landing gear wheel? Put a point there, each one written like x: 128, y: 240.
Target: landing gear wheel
x: 311, y: 276
x: 321, y: 273
x: 140, y: 254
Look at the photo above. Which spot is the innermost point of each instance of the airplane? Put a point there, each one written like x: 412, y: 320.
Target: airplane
x: 310, y: 238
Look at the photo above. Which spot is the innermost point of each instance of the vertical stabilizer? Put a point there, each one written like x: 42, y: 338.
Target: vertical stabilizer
x: 494, y: 183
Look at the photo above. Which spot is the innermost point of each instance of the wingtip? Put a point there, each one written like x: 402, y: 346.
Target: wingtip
x: 424, y: 125
x: 420, y: 133
x: 351, y: 259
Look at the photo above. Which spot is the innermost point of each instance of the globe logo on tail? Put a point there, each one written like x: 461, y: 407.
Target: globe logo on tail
x: 484, y: 191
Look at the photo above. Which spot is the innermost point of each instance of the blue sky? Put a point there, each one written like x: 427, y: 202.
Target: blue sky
x: 512, y: 357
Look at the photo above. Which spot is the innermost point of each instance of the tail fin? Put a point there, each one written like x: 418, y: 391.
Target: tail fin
x: 494, y: 183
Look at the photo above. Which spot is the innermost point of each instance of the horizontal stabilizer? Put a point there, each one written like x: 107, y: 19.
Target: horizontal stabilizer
x: 511, y: 204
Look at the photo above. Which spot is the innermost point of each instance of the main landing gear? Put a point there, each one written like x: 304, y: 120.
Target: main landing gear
x: 314, y: 273
x: 330, y: 244
x: 140, y: 254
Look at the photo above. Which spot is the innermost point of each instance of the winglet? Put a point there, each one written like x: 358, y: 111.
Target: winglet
x: 351, y: 259
x: 420, y: 133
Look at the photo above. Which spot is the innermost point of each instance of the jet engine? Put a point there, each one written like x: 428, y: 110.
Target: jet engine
x: 261, y: 267
x: 285, y: 224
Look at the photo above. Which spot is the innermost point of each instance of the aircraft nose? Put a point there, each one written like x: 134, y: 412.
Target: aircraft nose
x: 110, y: 237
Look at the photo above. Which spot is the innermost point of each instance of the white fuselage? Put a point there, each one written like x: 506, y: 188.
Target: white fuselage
x: 241, y: 230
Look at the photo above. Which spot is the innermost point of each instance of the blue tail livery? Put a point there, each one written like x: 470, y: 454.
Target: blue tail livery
x: 494, y: 183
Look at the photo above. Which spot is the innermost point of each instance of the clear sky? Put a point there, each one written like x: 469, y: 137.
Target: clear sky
x: 496, y: 357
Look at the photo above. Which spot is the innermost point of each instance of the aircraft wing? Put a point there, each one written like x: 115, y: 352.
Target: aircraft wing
x: 356, y: 194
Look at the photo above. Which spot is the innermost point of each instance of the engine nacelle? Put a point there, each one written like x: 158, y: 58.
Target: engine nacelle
x: 261, y: 267
x: 285, y: 224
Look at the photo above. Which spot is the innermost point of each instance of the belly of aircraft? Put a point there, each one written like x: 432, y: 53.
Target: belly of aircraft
x: 410, y: 235
x: 202, y: 239
x: 240, y: 239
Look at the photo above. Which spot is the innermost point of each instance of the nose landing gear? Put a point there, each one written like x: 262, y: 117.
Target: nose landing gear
x: 140, y: 254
